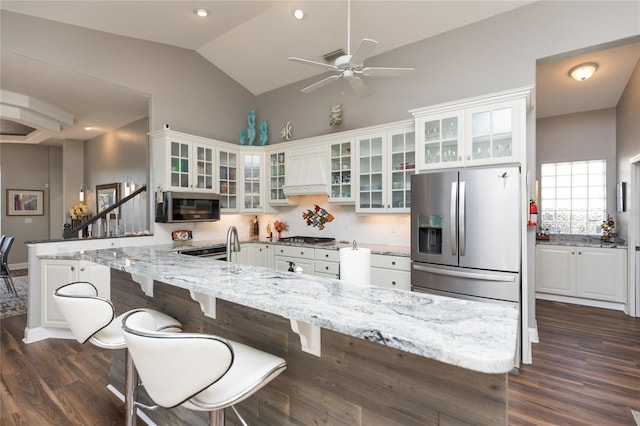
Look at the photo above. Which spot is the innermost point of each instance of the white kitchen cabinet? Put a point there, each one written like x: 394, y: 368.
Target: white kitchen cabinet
x: 228, y: 180
x: 493, y: 133
x: 252, y: 174
x: 56, y: 273
x: 276, y: 169
x: 440, y: 140
x: 385, y: 163
x: 185, y: 162
x: 585, y: 272
x: 480, y: 131
x: 391, y: 271
x: 341, y: 168
x: 327, y: 263
x: 263, y: 255
x: 301, y: 256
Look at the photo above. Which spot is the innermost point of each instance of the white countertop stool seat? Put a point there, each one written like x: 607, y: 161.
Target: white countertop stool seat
x: 198, y: 371
x: 92, y: 319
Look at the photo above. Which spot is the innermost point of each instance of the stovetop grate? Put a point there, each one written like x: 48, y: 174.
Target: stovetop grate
x: 307, y: 240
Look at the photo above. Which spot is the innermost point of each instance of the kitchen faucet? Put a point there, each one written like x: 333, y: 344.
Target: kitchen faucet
x: 233, y: 243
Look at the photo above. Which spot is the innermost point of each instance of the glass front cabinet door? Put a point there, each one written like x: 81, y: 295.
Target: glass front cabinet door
x: 276, y: 177
x: 371, y: 157
x: 494, y: 133
x: 403, y: 165
x: 341, y: 166
x: 203, y: 170
x: 252, y: 191
x: 440, y: 141
x: 228, y: 180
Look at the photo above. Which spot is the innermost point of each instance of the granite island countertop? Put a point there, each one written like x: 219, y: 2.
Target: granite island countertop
x: 468, y: 334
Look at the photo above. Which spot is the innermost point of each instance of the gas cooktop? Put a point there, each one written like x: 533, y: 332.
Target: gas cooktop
x: 307, y: 240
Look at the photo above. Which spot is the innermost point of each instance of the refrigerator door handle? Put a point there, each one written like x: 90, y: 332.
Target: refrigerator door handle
x: 454, y: 239
x: 463, y: 212
x: 470, y: 275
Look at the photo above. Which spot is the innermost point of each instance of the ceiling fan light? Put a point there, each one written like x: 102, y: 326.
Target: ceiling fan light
x: 202, y: 12
x: 584, y: 71
x: 299, y: 14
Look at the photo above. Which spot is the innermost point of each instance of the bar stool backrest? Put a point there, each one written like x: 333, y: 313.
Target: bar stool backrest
x: 174, y: 367
x: 84, y: 311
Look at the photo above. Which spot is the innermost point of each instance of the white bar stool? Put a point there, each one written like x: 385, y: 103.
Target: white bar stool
x: 198, y: 371
x: 93, y: 319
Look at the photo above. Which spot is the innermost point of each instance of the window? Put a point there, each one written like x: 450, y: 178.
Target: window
x: 573, y: 197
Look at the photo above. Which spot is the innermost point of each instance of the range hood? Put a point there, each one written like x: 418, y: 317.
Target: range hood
x: 306, y: 172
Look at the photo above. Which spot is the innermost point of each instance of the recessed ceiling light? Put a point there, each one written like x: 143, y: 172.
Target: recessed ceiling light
x: 202, y: 12
x: 87, y: 128
x: 583, y: 71
x: 299, y: 14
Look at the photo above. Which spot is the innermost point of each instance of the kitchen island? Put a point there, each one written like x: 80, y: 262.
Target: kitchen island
x: 357, y: 355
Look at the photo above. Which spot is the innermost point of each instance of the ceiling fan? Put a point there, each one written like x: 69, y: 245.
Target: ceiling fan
x: 350, y: 67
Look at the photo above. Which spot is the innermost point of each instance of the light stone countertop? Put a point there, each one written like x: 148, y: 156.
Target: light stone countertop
x: 472, y: 335
x: 582, y: 241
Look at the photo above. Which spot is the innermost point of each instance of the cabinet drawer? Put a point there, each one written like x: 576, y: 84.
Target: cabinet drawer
x: 328, y: 255
x: 391, y: 278
x: 293, y: 251
x: 327, y: 267
x: 391, y: 262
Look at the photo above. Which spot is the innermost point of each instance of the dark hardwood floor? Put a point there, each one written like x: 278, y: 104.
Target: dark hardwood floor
x: 586, y: 371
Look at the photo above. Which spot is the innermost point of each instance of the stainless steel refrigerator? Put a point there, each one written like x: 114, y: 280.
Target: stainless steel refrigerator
x: 465, y: 233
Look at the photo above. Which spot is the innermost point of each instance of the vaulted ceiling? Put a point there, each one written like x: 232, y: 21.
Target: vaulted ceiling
x: 266, y: 32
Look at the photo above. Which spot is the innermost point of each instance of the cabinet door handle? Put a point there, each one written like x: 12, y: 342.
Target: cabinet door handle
x: 81, y: 269
x: 326, y: 268
x: 326, y: 255
x: 393, y: 283
x: 579, y: 252
x: 393, y: 262
x: 73, y: 268
x: 573, y: 252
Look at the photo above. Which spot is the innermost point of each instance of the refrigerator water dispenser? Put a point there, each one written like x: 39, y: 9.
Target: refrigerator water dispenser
x: 430, y: 234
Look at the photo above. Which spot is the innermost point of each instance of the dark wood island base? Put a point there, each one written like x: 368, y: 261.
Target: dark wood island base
x: 354, y: 382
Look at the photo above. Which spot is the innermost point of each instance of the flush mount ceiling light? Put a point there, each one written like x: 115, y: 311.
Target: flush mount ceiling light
x: 299, y: 14
x: 202, y: 12
x: 583, y: 71
x: 88, y: 128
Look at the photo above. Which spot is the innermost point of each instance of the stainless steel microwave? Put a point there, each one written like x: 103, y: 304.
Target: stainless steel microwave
x: 188, y: 207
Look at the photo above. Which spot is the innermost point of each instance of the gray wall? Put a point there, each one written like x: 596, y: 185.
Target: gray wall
x: 496, y: 54
x: 24, y: 167
x: 628, y: 133
x: 582, y: 136
x: 186, y: 91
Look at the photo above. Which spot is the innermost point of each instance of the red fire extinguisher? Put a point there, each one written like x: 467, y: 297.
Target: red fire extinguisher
x: 533, y: 213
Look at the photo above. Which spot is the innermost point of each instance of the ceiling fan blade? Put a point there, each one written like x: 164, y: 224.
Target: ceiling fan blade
x: 363, y: 51
x: 321, y: 83
x: 386, y: 72
x: 358, y: 85
x: 308, y: 62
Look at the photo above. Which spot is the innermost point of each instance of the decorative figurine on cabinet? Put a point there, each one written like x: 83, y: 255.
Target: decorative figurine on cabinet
x: 251, y: 131
x: 263, y: 132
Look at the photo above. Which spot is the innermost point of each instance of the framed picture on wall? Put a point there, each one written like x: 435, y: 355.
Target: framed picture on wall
x: 25, y: 202
x: 106, y: 196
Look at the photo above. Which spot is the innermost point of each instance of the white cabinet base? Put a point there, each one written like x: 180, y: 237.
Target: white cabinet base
x: 583, y: 302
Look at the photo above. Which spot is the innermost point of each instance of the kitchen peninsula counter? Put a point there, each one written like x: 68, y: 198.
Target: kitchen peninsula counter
x: 385, y: 355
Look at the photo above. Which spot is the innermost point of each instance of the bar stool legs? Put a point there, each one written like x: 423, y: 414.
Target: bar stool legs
x: 130, y: 390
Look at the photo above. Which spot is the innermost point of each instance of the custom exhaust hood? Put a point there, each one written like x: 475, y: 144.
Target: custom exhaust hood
x: 307, y: 171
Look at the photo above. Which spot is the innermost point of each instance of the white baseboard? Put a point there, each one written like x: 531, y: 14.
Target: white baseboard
x: 36, y: 334
x: 584, y: 302
x: 533, y: 333
x: 16, y: 266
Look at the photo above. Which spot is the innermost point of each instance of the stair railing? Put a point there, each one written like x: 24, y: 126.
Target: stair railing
x: 69, y: 232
